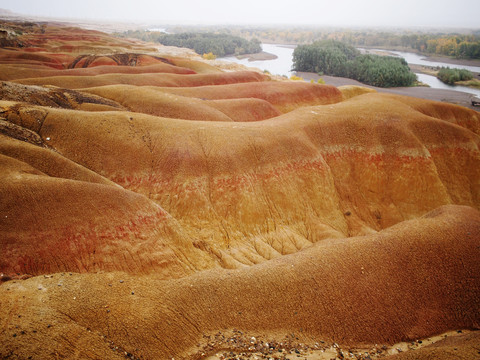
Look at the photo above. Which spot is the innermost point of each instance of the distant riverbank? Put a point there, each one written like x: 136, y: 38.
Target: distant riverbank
x: 431, y: 58
x: 283, y: 63
x: 261, y: 56
x: 450, y: 96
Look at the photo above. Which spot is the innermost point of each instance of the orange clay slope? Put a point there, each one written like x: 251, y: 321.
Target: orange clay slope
x: 151, y: 100
x: 285, y: 96
x: 12, y: 72
x: 74, y: 82
x: 249, y: 192
x: 188, y: 201
x: 412, y: 280
x: 60, y: 215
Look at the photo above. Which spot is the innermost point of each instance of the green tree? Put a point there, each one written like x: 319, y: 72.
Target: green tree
x: 339, y: 59
x: 451, y: 76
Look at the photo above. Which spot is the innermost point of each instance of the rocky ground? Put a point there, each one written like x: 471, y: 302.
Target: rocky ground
x: 244, y: 348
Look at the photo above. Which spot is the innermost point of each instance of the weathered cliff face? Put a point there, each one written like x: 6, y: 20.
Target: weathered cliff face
x: 229, y: 201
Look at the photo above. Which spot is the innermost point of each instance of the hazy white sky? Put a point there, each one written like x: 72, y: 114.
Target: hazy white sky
x: 445, y: 13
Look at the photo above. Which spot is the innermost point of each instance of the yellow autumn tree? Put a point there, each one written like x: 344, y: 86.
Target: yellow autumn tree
x: 209, y: 56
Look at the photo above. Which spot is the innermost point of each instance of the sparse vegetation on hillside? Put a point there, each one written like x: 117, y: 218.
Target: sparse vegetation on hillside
x: 219, y: 44
x: 295, y: 77
x: 338, y: 59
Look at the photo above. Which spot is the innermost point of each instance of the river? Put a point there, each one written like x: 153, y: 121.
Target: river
x: 432, y: 81
x: 283, y: 65
x: 413, y: 58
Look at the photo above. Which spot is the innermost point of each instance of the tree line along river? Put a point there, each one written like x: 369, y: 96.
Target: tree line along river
x: 282, y: 65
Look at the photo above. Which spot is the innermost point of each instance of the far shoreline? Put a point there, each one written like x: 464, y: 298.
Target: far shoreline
x: 443, y: 95
x: 261, y: 56
x: 428, y: 57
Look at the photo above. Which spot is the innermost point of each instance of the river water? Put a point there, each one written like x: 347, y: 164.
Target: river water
x: 432, y: 81
x: 412, y: 58
x: 283, y: 65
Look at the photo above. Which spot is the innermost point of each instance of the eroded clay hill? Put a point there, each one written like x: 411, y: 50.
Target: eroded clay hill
x: 189, y: 200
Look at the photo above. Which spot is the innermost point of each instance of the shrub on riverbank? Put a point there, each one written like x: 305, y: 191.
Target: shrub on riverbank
x: 451, y: 76
x: 474, y: 83
x: 338, y: 59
